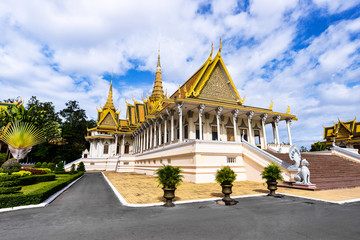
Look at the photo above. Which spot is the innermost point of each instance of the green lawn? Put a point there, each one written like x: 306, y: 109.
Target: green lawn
x: 31, y: 188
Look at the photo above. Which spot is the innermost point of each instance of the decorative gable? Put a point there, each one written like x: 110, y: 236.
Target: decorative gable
x: 218, y: 87
x: 108, y: 121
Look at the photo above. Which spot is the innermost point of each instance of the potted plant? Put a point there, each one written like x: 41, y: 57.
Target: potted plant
x: 272, y: 173
x: 169, y: 177
x: 226, y: 176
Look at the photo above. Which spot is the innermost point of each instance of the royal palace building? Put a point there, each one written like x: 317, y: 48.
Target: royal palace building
x: 201, y: 127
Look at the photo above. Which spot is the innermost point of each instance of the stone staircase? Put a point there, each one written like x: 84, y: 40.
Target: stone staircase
x: 328, y: 171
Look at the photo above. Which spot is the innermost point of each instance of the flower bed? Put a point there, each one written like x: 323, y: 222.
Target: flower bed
x: 37, y: 196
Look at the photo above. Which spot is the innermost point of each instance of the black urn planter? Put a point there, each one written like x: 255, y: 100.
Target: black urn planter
x: 227, y: 190
x: 169, y: 194
x: 272, y: 186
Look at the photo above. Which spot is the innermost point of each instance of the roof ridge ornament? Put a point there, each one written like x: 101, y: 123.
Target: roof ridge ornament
x: 271, y: 105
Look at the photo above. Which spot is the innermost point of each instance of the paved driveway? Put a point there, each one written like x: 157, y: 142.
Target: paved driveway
x: 90, y: 210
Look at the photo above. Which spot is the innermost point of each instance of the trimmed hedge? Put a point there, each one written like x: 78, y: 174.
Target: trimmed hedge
x: 6, y: 190
x: 36, y: 179
x: 9, y: 184
x: 38, y: 196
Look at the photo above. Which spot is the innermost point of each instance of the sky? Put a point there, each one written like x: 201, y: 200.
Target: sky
x: 305, y: 54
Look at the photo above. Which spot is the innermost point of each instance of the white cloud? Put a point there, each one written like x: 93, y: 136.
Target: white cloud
x: 59, y: 51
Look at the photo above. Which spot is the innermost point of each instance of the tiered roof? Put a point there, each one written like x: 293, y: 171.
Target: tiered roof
x: 343, y: 131
x: 211, y: 84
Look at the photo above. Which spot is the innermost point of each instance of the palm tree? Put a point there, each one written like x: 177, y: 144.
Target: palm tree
x: 21, y: 137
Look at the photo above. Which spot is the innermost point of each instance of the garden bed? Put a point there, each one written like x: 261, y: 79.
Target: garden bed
x: 37, y: 193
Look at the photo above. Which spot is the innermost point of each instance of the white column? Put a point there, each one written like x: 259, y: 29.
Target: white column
x: 122, y: 151
x: 151, y: 137
x: 218, y: 113
x: 250, y: 116
x: 276, y: 122
x: 201, y: 110
x: 155, y: 137
x: 116, y: 143
x: 274, y: 132
x: 159, y: 133
x: 142, y: 140
x: 263, y: 120
x: 172, y: 126
x: 179, y: 107
x: 288, y: 124
x: 235, y: 114
x: 147, y: 138
x: 165, y: 129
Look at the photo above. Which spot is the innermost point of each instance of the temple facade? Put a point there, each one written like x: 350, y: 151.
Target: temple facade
x: 201, y: 127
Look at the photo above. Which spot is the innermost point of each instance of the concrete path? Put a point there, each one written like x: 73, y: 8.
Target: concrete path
x: 90, y: 210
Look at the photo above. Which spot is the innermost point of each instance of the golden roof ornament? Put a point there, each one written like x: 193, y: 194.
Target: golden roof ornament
x: 158, y: 92
x: 109, y: 103
x: 288, y: 110
x: 271, y: 105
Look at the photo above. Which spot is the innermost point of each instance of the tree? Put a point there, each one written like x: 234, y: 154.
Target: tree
x: 318, y: 146
x: 74, y: 129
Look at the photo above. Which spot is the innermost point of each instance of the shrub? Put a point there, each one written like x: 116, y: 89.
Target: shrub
x: 9, y: 184
x: 81, y: 167
x: 4, y: 178
x: 44, y: 165
x: 272, y: 173
x: 7, y: 190
x: 225, y: 176
x: 51, y: 166
x: 3, y: 158
x: 72, y: 170
x: 47, y: 170
x: 37, y: 165
x: 59, y: 168
x: 22, y: 173
x: 36, y: 179
x: 34, y: 171
x: 36, y: 197
x: 11, y: 164
x: 169, y: 176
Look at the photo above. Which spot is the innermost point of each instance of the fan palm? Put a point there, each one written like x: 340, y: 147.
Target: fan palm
x: 21, y: 137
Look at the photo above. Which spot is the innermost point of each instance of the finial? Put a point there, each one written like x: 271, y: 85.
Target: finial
x: 271, y: 105
x: 220, y: 45
x: 158, y: 63
x: 212, y: 49
x: 288, y: 110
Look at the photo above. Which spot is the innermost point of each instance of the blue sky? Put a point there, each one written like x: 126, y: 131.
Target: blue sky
x: 305, y: 54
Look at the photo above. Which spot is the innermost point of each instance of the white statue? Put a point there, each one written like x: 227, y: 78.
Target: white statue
x: 303, y: 176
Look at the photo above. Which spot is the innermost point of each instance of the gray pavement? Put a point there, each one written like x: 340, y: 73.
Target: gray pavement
x: 90, y: 210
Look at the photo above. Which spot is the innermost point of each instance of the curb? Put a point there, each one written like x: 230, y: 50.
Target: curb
x: 125, y: 203
x: 322, y: 200
x: 44, y: 203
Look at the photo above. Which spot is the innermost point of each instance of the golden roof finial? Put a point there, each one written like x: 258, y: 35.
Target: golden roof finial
x: 220, y: 45
x: 288, y: 110
x: 271, y: 105
x: 212, y: 49
x: 158, y: 67
x: 109, y: 103
x: 158, y: 92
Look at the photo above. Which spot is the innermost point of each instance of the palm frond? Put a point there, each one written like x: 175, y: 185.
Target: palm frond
x: 22, y: 135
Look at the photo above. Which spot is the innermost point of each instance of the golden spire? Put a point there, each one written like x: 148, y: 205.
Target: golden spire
x: 158, y: 92
x: 109, y: 102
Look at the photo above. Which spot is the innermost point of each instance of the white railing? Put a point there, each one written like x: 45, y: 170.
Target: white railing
x: 71, y: 163
x: 270, y: 157
x: 345, y: 153
x: 281, y: 148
